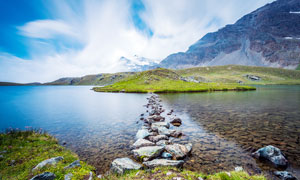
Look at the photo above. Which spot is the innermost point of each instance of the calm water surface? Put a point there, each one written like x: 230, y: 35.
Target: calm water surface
x: 224, y: 127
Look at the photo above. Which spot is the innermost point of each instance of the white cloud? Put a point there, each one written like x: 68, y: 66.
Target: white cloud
x: 105, y: 32
x: 47, y: 29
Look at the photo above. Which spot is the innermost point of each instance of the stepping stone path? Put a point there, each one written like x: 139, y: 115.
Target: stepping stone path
x: 152, y: 145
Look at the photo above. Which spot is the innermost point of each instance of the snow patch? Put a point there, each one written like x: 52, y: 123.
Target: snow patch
x: 288, y: 38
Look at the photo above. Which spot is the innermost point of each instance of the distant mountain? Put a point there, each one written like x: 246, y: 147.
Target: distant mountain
x: 19, y: 84
x: 137, y: 63
x: 269, y: 36
x: 97, y: 79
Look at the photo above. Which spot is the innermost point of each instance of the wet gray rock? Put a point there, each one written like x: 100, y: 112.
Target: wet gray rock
x: 158, y: 138
x: 165, y: 131
x: 160, y: 124
x: 73, y: 164
x: 176, y: 134
x: 120, y: 165
x: 284, y: 175
x: 272, y: 154
x: 156, y: 118
x: 68, y: 176
x: 163, y: 162
x: 142, y: 143
x: 148, y: 153
x: 51, y: 161
x: 162, y: 143
x: 179, y: 151
x: 44, y: 176
x: 176, y: 122
x: 142, y: 133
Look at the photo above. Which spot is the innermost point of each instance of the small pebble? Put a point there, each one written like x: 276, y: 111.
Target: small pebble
x: 169, y: 173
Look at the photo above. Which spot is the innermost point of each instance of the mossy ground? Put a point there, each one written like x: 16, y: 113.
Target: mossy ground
x: 23, y: 150
x: 166, y: 81
x: 168, y: 173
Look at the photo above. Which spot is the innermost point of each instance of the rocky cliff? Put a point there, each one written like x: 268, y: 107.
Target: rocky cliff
x: 269, y: 36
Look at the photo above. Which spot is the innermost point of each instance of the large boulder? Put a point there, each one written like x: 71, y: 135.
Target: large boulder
x: 120, y: 165
x: 51, y: 161
x: 142, y: 133
x: 284, y: 175
x: 142, y: 143
x: 148, y: 153
x: 272, y: 154
x: 163, y: 162
x: 179, y: 151
x: 158, y: 138
x: 44, y: 176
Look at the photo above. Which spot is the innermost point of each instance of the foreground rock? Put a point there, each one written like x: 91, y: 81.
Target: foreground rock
x: 73, y: 164
x: 142, y: 143
x: 158, y: 138
x: 285, y: 175
x: 179, y: 151
x: 51, y: 161
x: 160, y: 124
x: 141, y: 134
x: 272, y: 154
x: 148, y: 153
x: 68, y: 176
x: 163, y: 162
x: 44, y: 176
x: 121, y: 165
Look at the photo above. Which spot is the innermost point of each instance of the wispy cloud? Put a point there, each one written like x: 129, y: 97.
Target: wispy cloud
x: 90, y: 37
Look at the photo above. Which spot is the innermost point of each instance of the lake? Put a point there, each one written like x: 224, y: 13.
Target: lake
x: 224, y: 127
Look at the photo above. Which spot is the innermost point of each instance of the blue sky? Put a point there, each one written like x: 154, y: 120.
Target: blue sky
x: 42, y: 40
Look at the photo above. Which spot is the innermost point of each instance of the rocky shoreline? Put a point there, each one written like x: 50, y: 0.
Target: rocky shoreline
x: 154, y: 141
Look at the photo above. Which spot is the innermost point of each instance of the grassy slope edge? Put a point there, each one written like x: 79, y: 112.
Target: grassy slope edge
x: 25, y: 149
x: 165, y: 81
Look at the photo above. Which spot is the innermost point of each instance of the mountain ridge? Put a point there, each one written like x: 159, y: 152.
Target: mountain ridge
x: 268, y: 36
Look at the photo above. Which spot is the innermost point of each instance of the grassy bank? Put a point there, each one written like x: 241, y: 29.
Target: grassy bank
x: 235, y: 73
x: 22, y: 151
x: 165, y: 81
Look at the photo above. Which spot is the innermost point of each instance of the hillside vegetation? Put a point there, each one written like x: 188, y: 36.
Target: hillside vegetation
x: 164, y: 80
x: 235, y: 73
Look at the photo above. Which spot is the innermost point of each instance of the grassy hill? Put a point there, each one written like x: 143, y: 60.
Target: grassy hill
x: 164, y: 80
x: 97, y: 79
x: 235, y: 73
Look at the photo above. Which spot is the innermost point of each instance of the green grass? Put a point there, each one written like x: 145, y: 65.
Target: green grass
x: 25, y: 149
x: 298, y: 68
x: 165, y: 81
x: 161, y: 173
x: 234, y: 73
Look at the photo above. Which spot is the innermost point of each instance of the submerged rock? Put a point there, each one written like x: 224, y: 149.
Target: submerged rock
x: 272, y: 154
x: 163, y: 162
x: 73, y: 164
x: 285, y: 175
x: 158, y: 138
x: 179, y: 151
x: 142, y: 133
x: 120, y: 165
x: 148, y: 153
x: 51, y: 161
x: 142, y: 143
x: 44, y: 176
